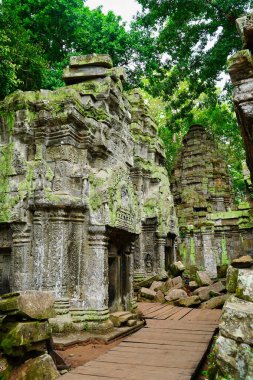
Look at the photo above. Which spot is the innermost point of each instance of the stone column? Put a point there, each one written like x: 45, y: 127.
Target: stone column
x: 21, y: 263
x: 160, y: 253
x: 95, y: 285
x: 133, y: 300
x: 209, y: 254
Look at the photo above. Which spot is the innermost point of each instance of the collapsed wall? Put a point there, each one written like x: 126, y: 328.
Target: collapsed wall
x: 84, y: 197
x: 212, y: 231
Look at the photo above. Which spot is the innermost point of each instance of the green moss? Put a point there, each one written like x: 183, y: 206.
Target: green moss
x: 192, y: 251
x: 5, y: 171
x: 224, y: 254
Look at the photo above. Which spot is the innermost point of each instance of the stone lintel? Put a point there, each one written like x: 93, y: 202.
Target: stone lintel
x: 98, y: 60
x: 82, y: 74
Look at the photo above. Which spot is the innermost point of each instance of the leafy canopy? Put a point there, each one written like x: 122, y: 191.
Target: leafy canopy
x: 37, y: 37
x: 194, y: 39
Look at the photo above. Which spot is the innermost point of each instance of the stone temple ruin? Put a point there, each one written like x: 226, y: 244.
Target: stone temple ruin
x: 212, y: 230
x: 85, y: 205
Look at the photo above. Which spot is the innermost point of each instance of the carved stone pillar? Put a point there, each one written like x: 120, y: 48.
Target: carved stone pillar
x: 95, y: 313
x: 21, y: 262
x: 160, y: 254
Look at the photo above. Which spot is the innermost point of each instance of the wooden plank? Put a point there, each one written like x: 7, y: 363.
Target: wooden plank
x: 180, y: 314
x: 163, y: 310
x: 162, y: 347
x: 170, y: 312
x: 150, y: 312
x: 178, y: 325
x: 170, y: 347
x: 134, y: 372
x: 188, y: 336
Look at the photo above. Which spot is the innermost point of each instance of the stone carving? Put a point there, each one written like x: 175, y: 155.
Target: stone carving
x: 83, y: 176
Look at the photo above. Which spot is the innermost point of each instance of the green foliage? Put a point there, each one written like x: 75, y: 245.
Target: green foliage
x: 37, y: 38
x: 194, y: 38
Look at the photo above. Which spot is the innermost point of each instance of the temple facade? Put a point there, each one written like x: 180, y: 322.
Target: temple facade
x: 85, y: 202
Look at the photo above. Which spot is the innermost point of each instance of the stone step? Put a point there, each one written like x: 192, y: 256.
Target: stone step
x: 120, y: 318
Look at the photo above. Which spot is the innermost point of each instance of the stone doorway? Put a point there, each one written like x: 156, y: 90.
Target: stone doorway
x: 119, y: 264
x: 5, y: 265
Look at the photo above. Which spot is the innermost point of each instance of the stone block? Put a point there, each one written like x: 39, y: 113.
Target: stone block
x: 175, y: 294
x: 160, y: 297
x: 29, y: 304
x: 16, y: 334
x: 177, y: 282
x: 148, y: 293
x: 189, y: 301
x: 193, y: 285
x: 177, y: 268
x: 232, y: 275
x: 119, y: 318
x: 99, y: 60
x: 204, y: 291
x: 41, y: 367
x: 244, y: 289
x: 203, y: 279
x: 215, y: 302
x: 242, y: 262
x: 81, y: 74
x: 237, y: 320
x: 156, y: 285
x: 233, y: 360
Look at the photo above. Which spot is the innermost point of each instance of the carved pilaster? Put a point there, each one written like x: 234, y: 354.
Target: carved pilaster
x: 160, y: 254
x: 21, y: 263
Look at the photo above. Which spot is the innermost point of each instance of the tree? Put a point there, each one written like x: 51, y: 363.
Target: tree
x: 37, y: 37
x: 193, y: 37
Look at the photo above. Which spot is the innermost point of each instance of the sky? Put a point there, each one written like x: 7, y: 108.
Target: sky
x: 124, y: 8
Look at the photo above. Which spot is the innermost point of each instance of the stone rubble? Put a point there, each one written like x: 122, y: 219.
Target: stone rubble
x: 24, y: 336
x: 210, y: 295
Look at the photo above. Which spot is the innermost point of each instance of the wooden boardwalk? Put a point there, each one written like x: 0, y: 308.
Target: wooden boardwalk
x: 170, y: 347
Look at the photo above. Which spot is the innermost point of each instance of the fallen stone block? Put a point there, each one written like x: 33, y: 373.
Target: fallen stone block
x: 30, y: 304
x: 147, y: 293
x: 177, y: 268
x: 157, y: 285
x: 160, y: 297
x: 237, y: 320
x: 203, y: 279
x: 16, y: 334
x: 189, y: 301
x: 215, y: 302
x: 41, y: 367
x: 175, y: 294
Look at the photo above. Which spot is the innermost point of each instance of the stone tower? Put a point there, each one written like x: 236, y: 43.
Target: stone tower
x: 212, y: 230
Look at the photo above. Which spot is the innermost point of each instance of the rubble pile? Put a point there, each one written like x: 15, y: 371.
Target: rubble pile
x: 196, y: 290
x: 24, y: 336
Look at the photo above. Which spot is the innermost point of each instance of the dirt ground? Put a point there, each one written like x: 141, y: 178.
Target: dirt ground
x: 79, y: 355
